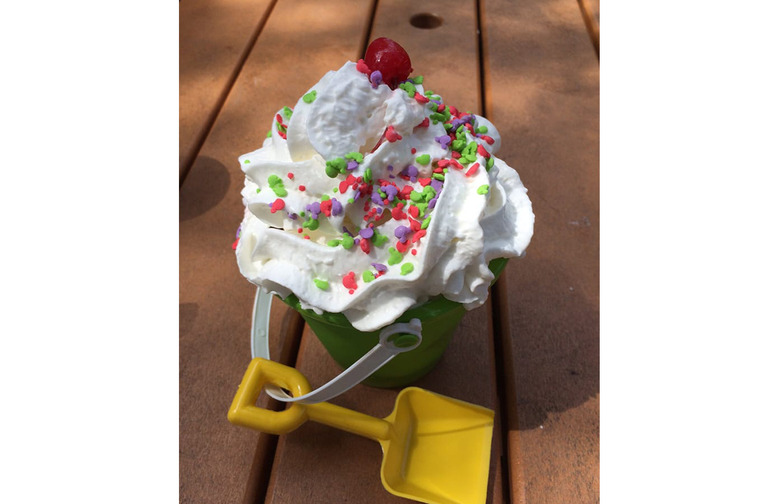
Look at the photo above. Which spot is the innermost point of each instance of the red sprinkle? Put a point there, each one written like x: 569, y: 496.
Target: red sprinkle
x: 456, y: 155
x: 397, y: 212
x: 362, y: 67
x: 424, y: 124
x: 277, y: 205
x: 471, y: 171
x: 483, y: 152
x: 301, y: 187
x: 349, y: 281
x: 300, y: 230
x: 325, y: 207
x: 414, y: 151
x: 421, y: 99
x: 439, y: 109
x: 414, y: 211
x: 414, y: 225
x: 401, y: 247
x: 279, y: 119
x: 414, y: 251
x: 392, y: 135
x: 425, y: 181
x: 290, y: 175
x: 364, y: 245
x: 235, y: 244
x: 405, y: 192
x: 488, y: 139
x: 419, y: 234
x: 456, y: 165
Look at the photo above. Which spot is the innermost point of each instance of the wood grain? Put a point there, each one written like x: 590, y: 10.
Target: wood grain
x: 214, y: 36
x: 543, y: 96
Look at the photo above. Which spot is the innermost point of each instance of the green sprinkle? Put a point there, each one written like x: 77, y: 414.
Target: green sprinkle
x: 408, y: 87
x: 418, y: 80
x: 311, y: 224
x: 347, y: 241
x: 310, y: 96
x: 458, y: 145
x: 425, y: 223
x: 368, y: 276
x: 448, y: 127
x: 438, y: 117
x: 274, y: 180
x: 334, y: 243
x: 258, y: 189
x: 279, y: 191
x: 490, y: 163
x: 483, y: 189
x: 378, y: 239
x: 350, y: 200
x: 277, y: 186
x: 330, y: 170
x: 422, y: 207
x: 269, y: 134
x: 367, y: 175
x: 356, y: 156
x: 395, y: 256
x: 416, y: 196
x: 321, y: 284
x: 482, y: 129
x: 438, y: 176
x: 424, y: 159
x: 335, y: 189
x: 429, y: 193
x: 246, y: 161
x: 287, y: 112
x: 407, y: 268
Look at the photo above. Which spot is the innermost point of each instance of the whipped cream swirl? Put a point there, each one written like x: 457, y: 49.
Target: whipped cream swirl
x: 366, y: 201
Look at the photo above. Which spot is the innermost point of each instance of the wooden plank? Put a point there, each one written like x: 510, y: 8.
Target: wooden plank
x: 320, y: 464
x: 542, y: 94
x: 214, y: 36
x: 218, y: 459
x: 590, y: 14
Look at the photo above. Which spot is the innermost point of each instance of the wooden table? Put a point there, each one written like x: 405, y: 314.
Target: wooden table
x: 531, y: 353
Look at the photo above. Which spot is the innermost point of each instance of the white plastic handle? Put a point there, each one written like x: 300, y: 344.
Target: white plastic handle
x: 364, y: 367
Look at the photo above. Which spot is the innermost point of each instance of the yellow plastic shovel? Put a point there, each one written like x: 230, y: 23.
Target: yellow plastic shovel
x: 436, y: 449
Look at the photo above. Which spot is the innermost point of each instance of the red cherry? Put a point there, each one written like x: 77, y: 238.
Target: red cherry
x: 390, y: 59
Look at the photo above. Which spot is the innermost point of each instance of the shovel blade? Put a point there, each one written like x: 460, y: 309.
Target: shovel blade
x: 440, y: 449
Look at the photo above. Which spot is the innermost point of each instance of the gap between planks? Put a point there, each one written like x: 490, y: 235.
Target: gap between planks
x: 223, y: 95
x: 265, y: 451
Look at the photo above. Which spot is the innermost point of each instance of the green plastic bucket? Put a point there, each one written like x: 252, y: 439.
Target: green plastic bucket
x: 439, y: 317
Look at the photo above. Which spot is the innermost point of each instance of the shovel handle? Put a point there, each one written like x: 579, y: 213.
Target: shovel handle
x: 244, y: 411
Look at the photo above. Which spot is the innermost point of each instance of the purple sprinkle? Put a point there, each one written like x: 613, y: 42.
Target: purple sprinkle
x: 444, y: 141
x: 357, y: 240
x: 401, y: 232
x: 352, y: 164
x: 376, y: 78
x: 314, y: 209
x: 391, y: 192
x: 437, y: 184
x: 379, y: 267
x: 389, y: 167
x: 336, y: 209
x: 411, y: 170
x: 293, y: 216
x: 432, y: 203
x: 377, y: 198
x: 367, y: 233
x: 238, y: 231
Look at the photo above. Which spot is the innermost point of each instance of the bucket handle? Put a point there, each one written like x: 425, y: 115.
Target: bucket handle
x: 393, y: 339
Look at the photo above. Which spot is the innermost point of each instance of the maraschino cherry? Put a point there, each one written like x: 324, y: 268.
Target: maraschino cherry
x: 388, y: 57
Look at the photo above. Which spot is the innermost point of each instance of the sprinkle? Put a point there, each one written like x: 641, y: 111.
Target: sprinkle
x: 397, y: 212
x: 401, y: 232
x: 483, y: 189
x: 438, y: 176
x: 314, y: 209
x: 290, y: 175
x: 277, y: 186
x: 488, y: 139
x: 482, y: 129
x: 424, y: 124
x: 246, y: 161
x: 395, y: 257
x: 364, y: 245
x: 379, y: 267
x: 407, y: 268
x: 277, y: 205
x: 348, y: 280
x: 375, y: 78
x: 362, y: 67
x: 419, y: 234
x: 416, y: 196
x: 424, y: 159
x: 414, y: 211
x: 336, y: 208
x: 287, y: 111
x: 334, y: 243
x: 401, y: 246
x: 443, y: 140
x: 471, y: 171
x: 235, y: 244
x: 310, y: 96
x: 356, y: 156
x: 409, y: 88
x: 368, y: 276
x: 425, y: 222
x: 366, y: 232
x: 379, y: 239
x: 347, y: 242
x: 418, y: 80
x: 321, y: 284
x: 483, y: 152
x: 490, y: 163
x: 258, y: 189
x: 391, y: 135
x: 301, y: 188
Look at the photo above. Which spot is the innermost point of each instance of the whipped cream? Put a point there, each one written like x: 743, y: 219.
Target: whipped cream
x: 366, y: 201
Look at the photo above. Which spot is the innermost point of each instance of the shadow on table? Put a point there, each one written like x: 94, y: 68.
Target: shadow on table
x: 206, y: 184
